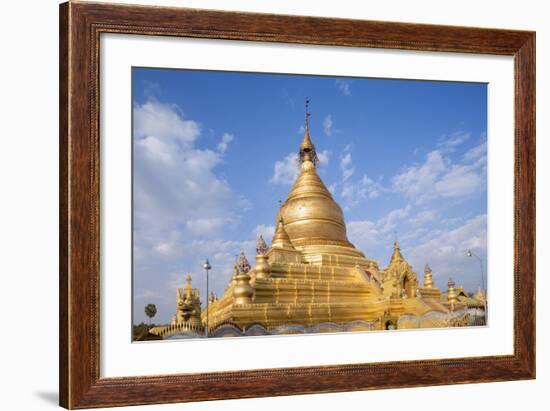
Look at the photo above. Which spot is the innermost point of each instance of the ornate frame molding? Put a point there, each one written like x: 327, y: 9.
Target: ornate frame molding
x: 80, y: 27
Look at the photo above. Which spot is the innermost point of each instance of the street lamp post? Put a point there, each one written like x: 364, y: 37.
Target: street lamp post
x: 207, y: 267
x: 471, y: 254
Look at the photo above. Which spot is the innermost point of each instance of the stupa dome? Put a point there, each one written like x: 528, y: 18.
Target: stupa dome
x: 311, y: 216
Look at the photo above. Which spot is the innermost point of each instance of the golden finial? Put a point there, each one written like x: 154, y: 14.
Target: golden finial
x: 395, y: 241
x: 307, y: 148
x: 262, y: 268
x: 452, y: 296
x: 428, y: 278
x: 396, y: 256
x: 234, y: 275
x: 261, y: 246
x: 188, y: 287
x: 307, y: 114
x: 243, y: 291
x: 242, y: 263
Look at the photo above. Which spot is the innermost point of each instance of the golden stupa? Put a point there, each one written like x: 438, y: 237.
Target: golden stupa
x: 313, y: 279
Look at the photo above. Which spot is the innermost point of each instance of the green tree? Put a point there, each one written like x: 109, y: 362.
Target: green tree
x: 150, y: 311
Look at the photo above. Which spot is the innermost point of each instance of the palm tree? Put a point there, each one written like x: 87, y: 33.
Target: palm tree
x: 150, y: 311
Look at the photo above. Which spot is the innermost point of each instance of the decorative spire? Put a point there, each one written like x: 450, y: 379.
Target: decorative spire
x: 262, y: 269
x: 452, y: 296
x: 243, y: 291
x: 307, y: 114
x: 451, y: 283
x: 307, y: 148
x: 243, y: 265
x: 480, y: 294
x: 428, y: 279
x: 234, y: 275
x: 281, y: 238
x: 396, y: 256
x: 188, y: 287
x: 261, y: 246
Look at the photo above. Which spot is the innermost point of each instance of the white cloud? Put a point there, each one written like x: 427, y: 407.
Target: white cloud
x: 443, y: 248
x: 349, y: 196
x: 460, y: 181
x: 477, y: 152
x: 224, y: 143
x: 365, y: 188
x: 445, y: 251
x: 327, y: 125
x: 157, y: 149
x: 439, y: 177
x: 376, y: 236
x: 285, y: 171
x: 422, y: 217
x: 165, y: 248
x: 165, y: 122
x: 147, y: 295
x: 266, y: 231
x: 371, y: 188
x: 363, y: 234
x: 390, y: 220
x: 417, y: 181
x: 367, y: 233
x: 179, y: 199
x: 175, y: 183
x: 323, y: 157
x: 346, y: 165
x: 344, y: 86
x: 345, y: 161
x: 455, y: 139
x: 205, y: 226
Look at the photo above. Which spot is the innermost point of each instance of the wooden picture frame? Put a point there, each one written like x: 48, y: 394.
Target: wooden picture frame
x: 80, y: 27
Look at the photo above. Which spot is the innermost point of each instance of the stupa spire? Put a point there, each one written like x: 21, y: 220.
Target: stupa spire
x: 396, y: 256
x: 281, y: 238
x: 311, y: 216
x: 428, y: 279
x: 188, y: 286
x: 307, y: 148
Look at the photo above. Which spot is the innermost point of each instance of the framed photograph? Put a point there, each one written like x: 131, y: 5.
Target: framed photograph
x: 260, y: 205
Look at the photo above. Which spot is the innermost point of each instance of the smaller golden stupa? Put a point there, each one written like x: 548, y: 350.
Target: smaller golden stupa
x: 187, y: 320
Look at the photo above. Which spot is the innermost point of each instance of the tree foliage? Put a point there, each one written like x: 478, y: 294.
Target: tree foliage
x: 150, y: 311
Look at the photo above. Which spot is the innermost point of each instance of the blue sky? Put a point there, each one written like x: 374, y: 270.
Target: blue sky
x: 214, y: 152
